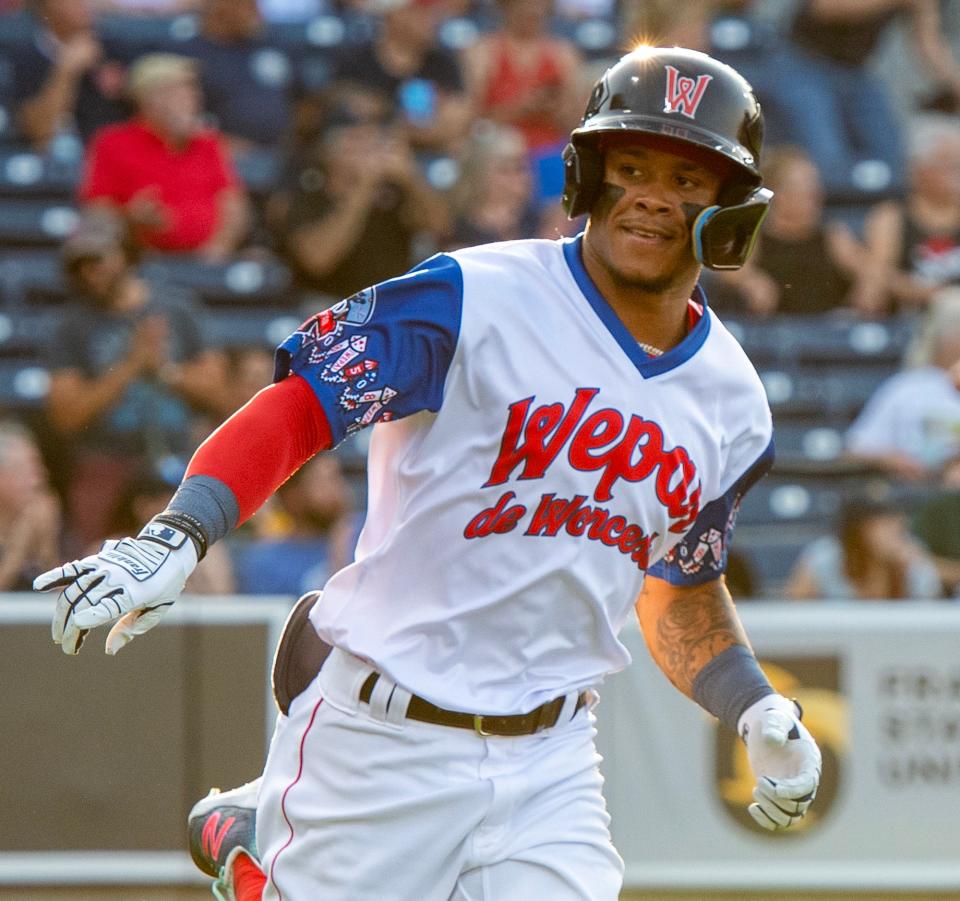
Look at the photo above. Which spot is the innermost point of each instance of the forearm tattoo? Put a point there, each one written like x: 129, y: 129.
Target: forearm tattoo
x: 692, y: 629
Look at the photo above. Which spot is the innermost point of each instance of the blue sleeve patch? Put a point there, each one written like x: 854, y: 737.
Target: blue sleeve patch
x: 701, y: 555
x: 383, y: 353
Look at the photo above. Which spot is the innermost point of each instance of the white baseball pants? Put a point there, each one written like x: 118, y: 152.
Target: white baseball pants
x: 360, y: 804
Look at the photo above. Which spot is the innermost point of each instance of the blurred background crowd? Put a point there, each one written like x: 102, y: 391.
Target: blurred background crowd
x: 183, y: 181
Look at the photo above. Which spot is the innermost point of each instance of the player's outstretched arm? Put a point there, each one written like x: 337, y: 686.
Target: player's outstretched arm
x: 133, y: 582
x: 695, y: 636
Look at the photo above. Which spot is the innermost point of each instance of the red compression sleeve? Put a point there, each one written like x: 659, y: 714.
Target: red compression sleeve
x: 264, y: 443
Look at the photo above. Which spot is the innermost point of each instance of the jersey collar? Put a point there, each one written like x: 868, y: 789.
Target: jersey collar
x: 646, y: 365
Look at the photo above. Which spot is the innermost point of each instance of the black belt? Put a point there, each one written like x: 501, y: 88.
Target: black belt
x: 543, y: 717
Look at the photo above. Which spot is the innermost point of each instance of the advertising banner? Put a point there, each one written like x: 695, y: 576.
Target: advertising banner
x: 880, y: 687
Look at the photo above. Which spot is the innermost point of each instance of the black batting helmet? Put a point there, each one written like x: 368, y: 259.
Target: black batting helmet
x: 686, y: 96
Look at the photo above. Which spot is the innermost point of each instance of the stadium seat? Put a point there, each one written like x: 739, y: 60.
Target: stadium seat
x: 10, y: 136
x: 248, y: 328
x: 259, y: 168
x: 771, y: 553
x: 832, y: 340
x: 23, y: 385
x: 838, y: 390
x: 24, y: 173
x: 26, y: 333
x: 35, y: 223
x: 16, y: 29
x: 143, y: 34
x: 813, y: 438
x: 32, y: 279
x: 821, y: 339
x: 240, y: 282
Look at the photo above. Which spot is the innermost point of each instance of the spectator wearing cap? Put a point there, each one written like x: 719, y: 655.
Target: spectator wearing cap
x: 249, y: 83
x: 129, y: 373
x: 66, y: 78
x: 171, y: 178
x: 358, y: 207
x: 406, y: 65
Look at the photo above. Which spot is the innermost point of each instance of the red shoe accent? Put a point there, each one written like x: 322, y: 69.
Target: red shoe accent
x: 248, y: 879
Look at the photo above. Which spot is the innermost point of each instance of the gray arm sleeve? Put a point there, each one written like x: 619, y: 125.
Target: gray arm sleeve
x: 210, y: 502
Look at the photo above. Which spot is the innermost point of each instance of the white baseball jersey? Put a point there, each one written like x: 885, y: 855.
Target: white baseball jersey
x: 529, y: 464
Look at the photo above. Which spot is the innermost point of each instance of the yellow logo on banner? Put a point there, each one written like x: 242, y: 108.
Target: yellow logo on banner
x: 814, y: 682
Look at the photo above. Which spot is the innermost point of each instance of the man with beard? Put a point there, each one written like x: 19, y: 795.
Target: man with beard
x: 564, y: 431
x: 129, y: 370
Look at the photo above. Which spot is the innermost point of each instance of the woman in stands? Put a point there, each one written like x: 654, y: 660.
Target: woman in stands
x: 872, y: 557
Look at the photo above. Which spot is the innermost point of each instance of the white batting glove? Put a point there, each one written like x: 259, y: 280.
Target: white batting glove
x: 133, y: 582
x: 784, y: 758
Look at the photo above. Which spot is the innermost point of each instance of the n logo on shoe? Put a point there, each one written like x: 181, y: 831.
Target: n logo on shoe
x: 211, y: 839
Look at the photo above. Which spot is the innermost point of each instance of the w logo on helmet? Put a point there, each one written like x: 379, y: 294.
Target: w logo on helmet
x: 684, y: 93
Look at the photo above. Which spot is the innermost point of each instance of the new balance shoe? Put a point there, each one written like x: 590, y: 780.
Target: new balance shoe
x: 221, y: 822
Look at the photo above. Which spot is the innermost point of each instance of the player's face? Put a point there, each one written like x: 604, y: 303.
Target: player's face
x: 639, y: 228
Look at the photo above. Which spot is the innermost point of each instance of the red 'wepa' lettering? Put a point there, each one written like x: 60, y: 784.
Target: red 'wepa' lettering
x: 602, y: 442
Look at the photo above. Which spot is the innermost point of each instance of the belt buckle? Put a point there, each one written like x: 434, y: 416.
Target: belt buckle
x: 478, y: 725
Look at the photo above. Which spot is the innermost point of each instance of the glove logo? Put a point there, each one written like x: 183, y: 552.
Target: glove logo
x: 815, y: 682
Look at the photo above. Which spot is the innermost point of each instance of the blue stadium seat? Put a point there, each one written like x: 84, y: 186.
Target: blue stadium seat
x: 35, y: 223
x: 833, y: 340
x: 32, y: 279
x: 241, y: 282
x: 777, y: 501
x: 24, y: 173
x: 259, y: 168
x: 821, y: 339
x: 772, y: 553
x: 9, y: 132
x: 23, y: 385
x: 805, y: 497
x: 248, y: 328
x: 26, y: 333
x: 838, y: 390
x: 16, y: 29
x: 146, y: 34
x: 815, y: 439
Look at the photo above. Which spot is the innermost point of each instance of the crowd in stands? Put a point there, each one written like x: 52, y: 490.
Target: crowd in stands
x: 182, y: 181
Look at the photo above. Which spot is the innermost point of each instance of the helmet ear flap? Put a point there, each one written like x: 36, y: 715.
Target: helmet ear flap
x: 582, y: 177
x: 724, y: 236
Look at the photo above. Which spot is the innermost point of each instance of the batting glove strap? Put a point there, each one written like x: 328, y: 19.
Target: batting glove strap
x: 156, y: 529
x: 784, y: 758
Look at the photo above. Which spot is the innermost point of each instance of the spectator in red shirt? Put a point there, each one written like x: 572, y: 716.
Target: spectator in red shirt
x: 170, y: 177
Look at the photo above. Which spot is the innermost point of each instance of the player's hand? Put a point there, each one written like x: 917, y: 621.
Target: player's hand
x: 131, y: 582
x: 784, y: 758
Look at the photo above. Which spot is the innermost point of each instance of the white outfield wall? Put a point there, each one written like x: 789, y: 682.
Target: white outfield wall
x: 880, y: 685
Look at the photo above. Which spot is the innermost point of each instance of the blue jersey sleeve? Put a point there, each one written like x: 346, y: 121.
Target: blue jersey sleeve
x: 701, y: 555
x: 384, y: 352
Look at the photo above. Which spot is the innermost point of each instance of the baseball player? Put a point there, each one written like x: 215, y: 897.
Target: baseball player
x: 564, y: 430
